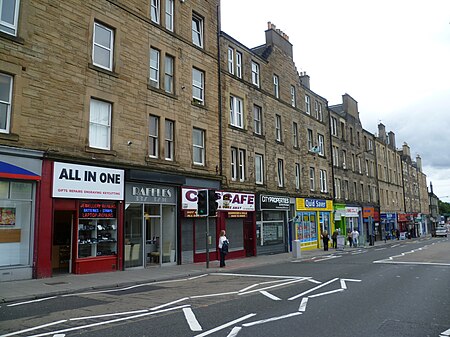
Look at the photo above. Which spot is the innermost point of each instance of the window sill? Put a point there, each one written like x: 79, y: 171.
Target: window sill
x: 101, y: 70
x: 163, y: 161
x: 199, y: 104
x: 9, y: 136
x: 94, y: 150
x: 237, y: 128
x: 12, y: 38
x: 161, y: 91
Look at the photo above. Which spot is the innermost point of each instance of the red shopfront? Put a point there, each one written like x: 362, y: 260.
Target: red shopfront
x: 236, y: 215
x: 85, y: 205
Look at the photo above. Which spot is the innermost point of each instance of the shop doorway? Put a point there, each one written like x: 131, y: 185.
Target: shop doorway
x: 150, y: 235
x: 62, y: 241
x: 249, y: 242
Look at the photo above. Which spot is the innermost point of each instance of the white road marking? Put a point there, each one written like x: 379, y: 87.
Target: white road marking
x: 326, y: 293
x: 273, y: 286
x: 380, y: 248
x: 211, y: 295
x: 312, y: 289
x: 258, y: 276
x: 192, y: 320
x: 303, y: 304
x: 170, y: 303
x: 446, y: 333
x: 258, y: 284
x: 271, y: 319
x: 393, y: 246
x: 328, y: 258
x: 107, y: 322
x: 249, y: 287
x: 108, y: 315
x: 34, y: 328
x: 196, y: 277
x: 412, y: 263
x: 269, y: 295
x: 59, y: 335
x: 234, y: 331
x: 359, y: 252
x: 32, y: 301
x: 343, y: 280
x: 226, y: 325
x: 123, y: 289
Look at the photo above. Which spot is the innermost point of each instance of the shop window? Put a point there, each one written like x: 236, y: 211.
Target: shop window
x: 15, y: 223
x: 97, y: 236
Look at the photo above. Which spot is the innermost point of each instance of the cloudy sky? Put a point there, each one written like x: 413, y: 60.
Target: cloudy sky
x: 393, y: 57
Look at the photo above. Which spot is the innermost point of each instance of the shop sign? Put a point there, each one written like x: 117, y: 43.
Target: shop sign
x: 149, y: 193
x: 314, y: 204
x: 352, y: 212
x: 274, y: 202
x: 87, y: 182
x: 100, y: 210
x: 227, y: 200
x: 402, y: 217
x: 368, y: 212
x: 233, y: 214
x: 388, y: 216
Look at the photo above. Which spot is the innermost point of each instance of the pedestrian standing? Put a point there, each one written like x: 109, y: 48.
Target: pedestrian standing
x: 350, y: 238
x: 355, y: 236
x: 334, y: 238
x: 325, y: 239
x: 223, y: 247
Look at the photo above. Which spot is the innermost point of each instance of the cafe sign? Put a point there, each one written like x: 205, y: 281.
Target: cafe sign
x: 227, y: 201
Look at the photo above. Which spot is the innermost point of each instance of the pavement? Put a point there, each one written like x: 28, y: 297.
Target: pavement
x: 24, y: 290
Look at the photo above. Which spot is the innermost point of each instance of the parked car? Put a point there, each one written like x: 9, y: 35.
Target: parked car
x: 441, y: 230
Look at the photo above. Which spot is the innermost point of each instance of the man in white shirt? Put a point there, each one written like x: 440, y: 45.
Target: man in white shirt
x: 355, y: 236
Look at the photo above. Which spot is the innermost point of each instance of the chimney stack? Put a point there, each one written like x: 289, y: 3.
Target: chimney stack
x: 304, y: 79
x: 382, y: 132
x: 276, y: 37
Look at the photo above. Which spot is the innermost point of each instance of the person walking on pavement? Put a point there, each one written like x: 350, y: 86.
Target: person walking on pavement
x: 223, y: 248
x: 334, y: 238
x: 325, y: 239
x: 355, y: 236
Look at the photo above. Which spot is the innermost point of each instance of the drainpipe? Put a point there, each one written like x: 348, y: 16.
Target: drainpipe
x: 219, y: 78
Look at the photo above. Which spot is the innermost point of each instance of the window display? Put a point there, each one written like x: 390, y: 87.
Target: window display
x: 97, y: 229
x: 97, y: 237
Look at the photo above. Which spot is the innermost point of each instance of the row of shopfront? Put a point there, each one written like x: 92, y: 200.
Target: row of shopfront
x: 58, y: 217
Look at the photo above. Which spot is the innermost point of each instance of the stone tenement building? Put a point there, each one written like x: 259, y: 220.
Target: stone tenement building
x: 355, y: 184
x: 389, y: 173
x: 116, y: 117
x: 275, y: 136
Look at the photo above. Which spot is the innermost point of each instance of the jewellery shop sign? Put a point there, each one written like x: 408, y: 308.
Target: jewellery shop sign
x: 87, y: 182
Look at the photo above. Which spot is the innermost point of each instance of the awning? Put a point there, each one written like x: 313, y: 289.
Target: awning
x: 16, y: 172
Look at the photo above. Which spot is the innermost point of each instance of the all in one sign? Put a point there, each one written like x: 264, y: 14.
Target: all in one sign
x: 87, y: 182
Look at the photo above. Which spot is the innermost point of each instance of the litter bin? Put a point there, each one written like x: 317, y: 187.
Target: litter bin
x: 296, y: 249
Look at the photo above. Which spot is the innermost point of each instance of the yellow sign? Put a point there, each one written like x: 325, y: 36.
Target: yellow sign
x: 306, y: 204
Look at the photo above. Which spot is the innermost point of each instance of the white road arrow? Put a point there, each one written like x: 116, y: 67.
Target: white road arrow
x: 343, y: 280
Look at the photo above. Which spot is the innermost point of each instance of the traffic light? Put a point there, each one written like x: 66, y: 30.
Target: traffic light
x: 202, y: 202
x: 212, y: 202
